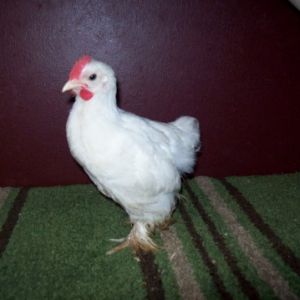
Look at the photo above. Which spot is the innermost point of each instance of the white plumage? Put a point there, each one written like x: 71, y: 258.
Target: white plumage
x: 135, y: 161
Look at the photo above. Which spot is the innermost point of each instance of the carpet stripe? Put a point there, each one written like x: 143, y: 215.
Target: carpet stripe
x: 197, y: 240
x: 151, y: 275
x: 12, y: 218
x: 283, y: 250
x: 3, y: 195
x: 188, y: 287
x: 264, y: 267
x: 246, y: 286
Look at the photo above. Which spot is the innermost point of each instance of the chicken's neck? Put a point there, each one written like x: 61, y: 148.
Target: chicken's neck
x: 101, y: 105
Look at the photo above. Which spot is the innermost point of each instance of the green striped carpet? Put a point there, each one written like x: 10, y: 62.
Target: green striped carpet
x: 233, y: 238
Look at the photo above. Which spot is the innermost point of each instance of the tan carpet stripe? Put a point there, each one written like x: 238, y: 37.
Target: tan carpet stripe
x: 4, y: 191
x: 246, y: 286
x: 283, y: 250
x: 197, y: 241
x: 188, y: 287
x: 264, y: 267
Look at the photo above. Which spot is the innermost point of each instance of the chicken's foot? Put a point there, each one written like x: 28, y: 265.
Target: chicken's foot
x: 138, y: 239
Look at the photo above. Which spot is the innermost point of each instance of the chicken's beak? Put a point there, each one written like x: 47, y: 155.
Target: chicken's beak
x: 71, y: 85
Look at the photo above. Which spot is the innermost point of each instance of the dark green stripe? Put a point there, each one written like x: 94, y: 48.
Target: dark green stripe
x: 246, y: 286
x: 243, y: 261
x: 262, y: 242
x: 197, y: 240
x: 200, y: 269
x: 283, y: 250
x: 166, y: 272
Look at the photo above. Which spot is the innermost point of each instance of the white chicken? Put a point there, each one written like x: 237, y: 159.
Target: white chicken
x: 135, y: 161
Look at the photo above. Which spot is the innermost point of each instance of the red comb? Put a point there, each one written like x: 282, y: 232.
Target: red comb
x: 78, y: 66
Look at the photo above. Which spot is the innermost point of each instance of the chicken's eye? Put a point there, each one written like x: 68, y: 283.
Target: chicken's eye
x: 93, y: 76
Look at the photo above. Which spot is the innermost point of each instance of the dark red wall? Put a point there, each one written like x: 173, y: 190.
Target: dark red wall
x: 233, y: 64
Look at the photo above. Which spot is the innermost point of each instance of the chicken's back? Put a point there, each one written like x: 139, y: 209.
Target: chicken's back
x: 179, y: 140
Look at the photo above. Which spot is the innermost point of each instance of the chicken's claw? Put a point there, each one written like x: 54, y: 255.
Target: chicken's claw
x: 118, y: 248
x: 118, y: 240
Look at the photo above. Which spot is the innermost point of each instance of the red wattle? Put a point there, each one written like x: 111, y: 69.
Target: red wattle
x: 85, y: 94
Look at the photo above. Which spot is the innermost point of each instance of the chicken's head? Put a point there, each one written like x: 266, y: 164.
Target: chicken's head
x: 89, y: 77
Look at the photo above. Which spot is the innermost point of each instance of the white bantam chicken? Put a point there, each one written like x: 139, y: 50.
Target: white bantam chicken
x: 135, y: 161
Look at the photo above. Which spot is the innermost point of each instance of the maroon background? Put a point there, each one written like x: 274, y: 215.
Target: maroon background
x: 232, y: 64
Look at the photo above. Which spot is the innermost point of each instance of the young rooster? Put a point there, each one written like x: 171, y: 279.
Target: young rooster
x: 135, y: 161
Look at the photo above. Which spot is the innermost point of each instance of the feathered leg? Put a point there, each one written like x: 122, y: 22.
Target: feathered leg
x: 138, y: 239
x: 166, y: 224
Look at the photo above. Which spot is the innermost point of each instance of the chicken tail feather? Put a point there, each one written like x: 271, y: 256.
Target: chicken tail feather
x: 185, y: 151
